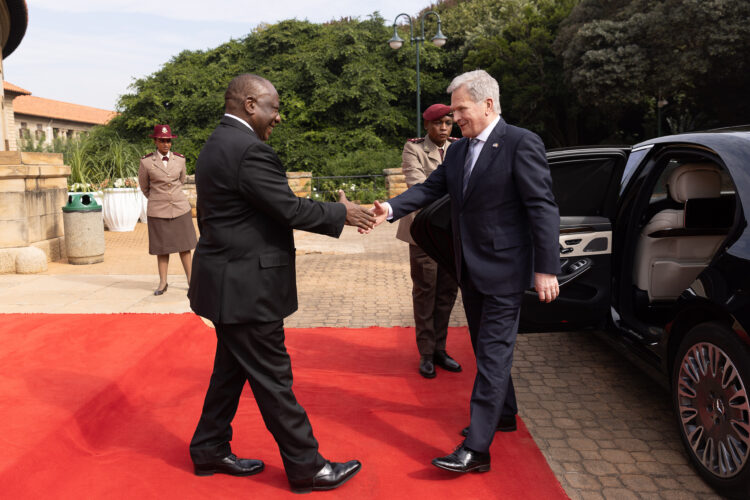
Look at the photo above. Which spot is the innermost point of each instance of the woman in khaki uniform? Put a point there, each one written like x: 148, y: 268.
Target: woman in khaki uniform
x: 170, y: 222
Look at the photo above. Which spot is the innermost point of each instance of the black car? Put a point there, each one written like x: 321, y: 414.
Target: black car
x: 655, y: 252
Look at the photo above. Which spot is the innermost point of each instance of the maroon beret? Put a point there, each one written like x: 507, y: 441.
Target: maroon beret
x: 162, y: 132
x: 436, y: 112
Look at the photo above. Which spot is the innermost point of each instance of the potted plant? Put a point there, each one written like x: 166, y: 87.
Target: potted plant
x: 122, y: 203
x: 80, y: 180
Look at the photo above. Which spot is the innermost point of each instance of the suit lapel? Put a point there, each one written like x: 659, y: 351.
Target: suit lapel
x: 489, y: 152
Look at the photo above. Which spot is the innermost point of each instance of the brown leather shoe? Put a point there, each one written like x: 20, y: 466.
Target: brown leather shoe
x: 332, y: 475
x: 230, y: 465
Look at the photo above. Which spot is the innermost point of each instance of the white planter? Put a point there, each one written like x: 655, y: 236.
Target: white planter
x: 121, y: 208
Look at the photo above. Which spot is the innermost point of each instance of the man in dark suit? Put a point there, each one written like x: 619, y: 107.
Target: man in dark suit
x: 244, y: 282
x: 505, y: 235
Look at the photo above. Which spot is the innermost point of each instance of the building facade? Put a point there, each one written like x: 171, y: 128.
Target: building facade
x: 44, y: 120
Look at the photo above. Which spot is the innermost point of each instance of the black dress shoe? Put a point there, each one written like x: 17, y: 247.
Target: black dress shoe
x: 426, y: 367
x: 161, y: 292
x: 506, y: 424
x: 464, y: 460
x: 446, y: 362
x: 230, y: 465
x: 332, y: 475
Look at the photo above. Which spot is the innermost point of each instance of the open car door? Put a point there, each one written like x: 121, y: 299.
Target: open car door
x: 586, y: 184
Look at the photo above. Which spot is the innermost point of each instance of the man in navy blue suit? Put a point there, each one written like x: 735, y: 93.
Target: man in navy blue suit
x: 506, y: 239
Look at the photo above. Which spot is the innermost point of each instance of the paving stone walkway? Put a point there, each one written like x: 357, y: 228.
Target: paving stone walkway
x: 606, y: 429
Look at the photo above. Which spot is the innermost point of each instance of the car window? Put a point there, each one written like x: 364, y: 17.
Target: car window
x: 582, y: 186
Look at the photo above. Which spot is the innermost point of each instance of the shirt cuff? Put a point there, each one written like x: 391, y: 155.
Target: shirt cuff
x: 390, y: 210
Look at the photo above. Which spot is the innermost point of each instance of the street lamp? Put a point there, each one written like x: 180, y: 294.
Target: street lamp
x: 660, y: 103
x: 396, y: 42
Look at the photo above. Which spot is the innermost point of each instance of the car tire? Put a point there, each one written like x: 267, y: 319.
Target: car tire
x: 709, y: 378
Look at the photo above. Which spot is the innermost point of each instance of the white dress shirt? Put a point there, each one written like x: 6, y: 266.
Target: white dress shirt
x: 239, y: 120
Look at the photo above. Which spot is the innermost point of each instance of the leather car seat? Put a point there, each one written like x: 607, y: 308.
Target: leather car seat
x: 670, y: 254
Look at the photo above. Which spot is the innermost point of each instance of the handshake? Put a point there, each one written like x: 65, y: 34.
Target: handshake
x: 364, y: 219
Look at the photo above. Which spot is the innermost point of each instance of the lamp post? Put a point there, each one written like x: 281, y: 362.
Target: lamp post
x: 660, y: 103
x: 396, y: 42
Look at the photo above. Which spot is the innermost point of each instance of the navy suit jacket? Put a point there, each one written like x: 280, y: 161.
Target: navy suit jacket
x: 243, y: 267
x: 507, y: 225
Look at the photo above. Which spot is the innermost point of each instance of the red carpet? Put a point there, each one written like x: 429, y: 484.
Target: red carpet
x: 103, y: 406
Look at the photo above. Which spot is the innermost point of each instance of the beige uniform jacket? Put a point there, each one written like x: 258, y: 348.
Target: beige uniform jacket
x: 419, y: 159
x: 163, y: 185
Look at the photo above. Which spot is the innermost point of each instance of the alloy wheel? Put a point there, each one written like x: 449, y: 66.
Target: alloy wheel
x: 714, y: 410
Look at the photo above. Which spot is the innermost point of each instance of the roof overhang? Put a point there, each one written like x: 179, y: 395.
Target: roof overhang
x: 15, y: 19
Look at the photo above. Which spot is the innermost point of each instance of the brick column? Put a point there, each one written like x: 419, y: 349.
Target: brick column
x: 189, y: 189
x: 395, y: 182
x: 300, y: 183
x: 33, y: 190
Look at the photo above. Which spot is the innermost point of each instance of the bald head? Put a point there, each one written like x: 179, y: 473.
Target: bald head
x: 253, y: 99
x: 243, y: 86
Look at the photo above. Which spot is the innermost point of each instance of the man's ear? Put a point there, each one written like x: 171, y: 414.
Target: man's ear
x: 249, y: 104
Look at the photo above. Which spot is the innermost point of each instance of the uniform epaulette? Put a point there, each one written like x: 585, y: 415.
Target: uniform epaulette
x: 178, y: 154
x: 146, y: 156
x: 417, y: 140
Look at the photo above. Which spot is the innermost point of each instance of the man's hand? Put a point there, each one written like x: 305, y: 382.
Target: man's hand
x: 380, y: 213
x: 356, y: 215
x: 546, y: 286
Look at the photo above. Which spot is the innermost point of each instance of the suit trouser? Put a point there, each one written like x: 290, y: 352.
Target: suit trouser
x: 255, y: 352
x: 493, y: 326
x: 433, y: 295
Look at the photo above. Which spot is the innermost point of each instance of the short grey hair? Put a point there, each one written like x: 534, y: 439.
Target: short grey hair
x: 480, y: 86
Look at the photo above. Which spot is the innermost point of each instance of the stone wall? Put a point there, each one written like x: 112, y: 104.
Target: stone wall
x: 33, y: 190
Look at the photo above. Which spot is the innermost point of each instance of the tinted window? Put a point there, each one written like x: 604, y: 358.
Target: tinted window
x: 583, y: 186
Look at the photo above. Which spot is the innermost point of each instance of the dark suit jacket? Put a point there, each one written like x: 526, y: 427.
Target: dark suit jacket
x: 507, y: 225
x: 243, y: 268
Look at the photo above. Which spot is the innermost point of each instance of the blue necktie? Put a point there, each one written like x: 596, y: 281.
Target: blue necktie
x: 467, y: 163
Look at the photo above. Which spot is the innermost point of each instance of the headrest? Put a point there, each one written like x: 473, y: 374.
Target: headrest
x: 695, y: 180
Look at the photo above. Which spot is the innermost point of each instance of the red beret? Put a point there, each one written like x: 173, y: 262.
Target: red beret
x: 436, y: 112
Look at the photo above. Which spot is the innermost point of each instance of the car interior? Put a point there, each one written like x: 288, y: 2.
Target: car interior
x: 690, y: 213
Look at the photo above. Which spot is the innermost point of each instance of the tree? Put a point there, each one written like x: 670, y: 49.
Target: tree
x: 520, y: 57
x: 693, y: 53
x: 341, y: 87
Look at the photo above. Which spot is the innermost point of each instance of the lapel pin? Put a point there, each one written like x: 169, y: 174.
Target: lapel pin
x: 495, y: 145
